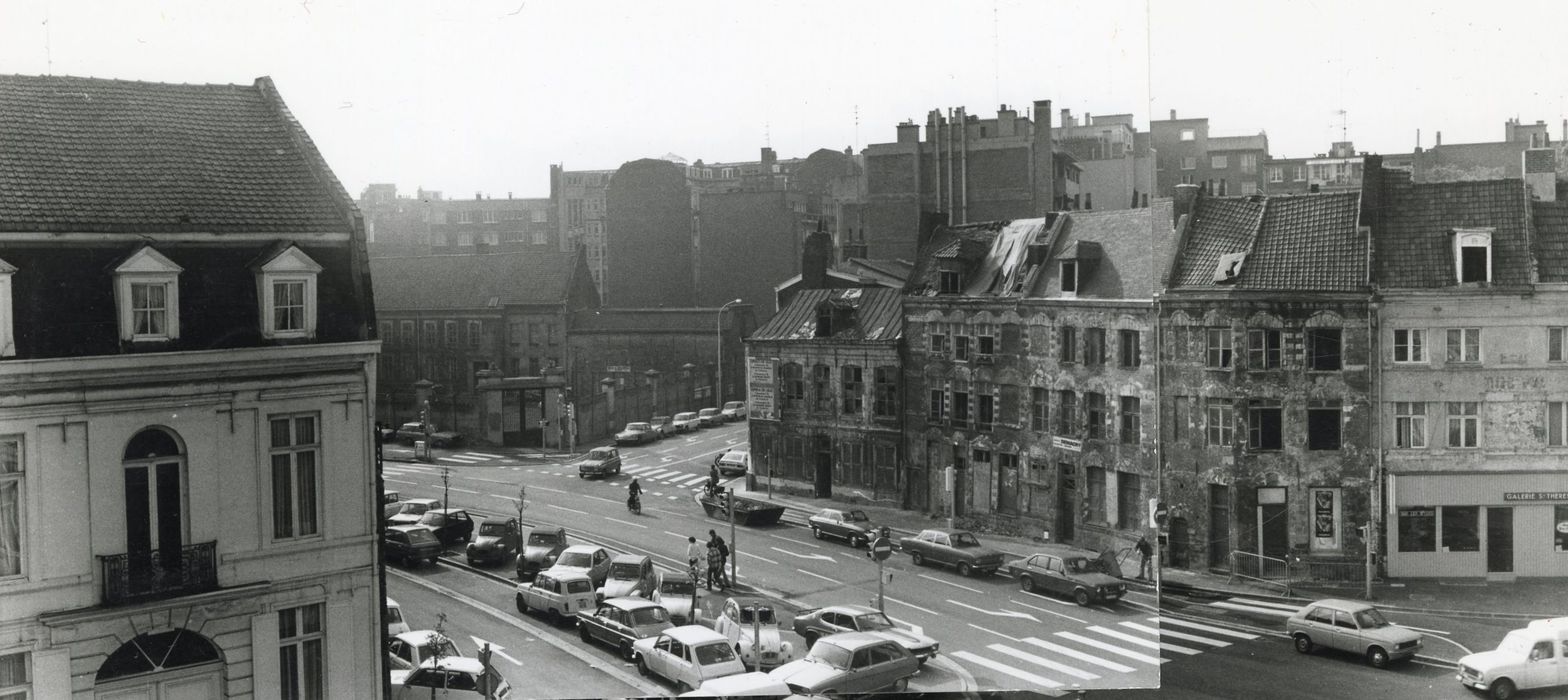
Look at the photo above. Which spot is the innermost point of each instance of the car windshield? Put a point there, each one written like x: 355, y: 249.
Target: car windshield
x: 873, y: 621
x: 1371, y: 618
x: 420, y: 536
x: 1079, y: 565
x: 829, y: 654
x: 600, y: 454
x: 625, y: 571
x: 709, y: 654
x: 446, y: 647
x: 708, y: 411
x: 637, y: 426
x: 1516, y: 642
x: 414, y: 508
x: 764, y: 615
x: 858, y: 516
x: 649, y: 616
x: 580, y: 560
x: 433, y: 519
x: 579, y: 586
x: 542, y: 538
x: 964, y: 539
x: 677, y: 586
x: 394, y: 614
x: 493, y: 529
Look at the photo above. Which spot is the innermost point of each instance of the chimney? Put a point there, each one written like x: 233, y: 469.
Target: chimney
x: 1173, y: 115
x: 1006, y: 119
x: 1439, y: 140
x: 908, y: 132
x: 1042, y: 175
x: 1185, y: 200
x: 1371, y: 190
x: 814, y: 258
x: 768, y: 158
x: 1540, y: 173
x: 1067, y: 118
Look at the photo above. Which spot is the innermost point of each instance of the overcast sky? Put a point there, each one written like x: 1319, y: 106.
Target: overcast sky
x: 483, y: 96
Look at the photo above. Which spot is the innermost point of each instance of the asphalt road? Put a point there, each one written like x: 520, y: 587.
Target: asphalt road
x: 993, y: 636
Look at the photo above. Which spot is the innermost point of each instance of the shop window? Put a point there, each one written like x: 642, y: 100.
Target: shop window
x: 1463, y: 423
x: 1218, y: 348
x: 1464, y: 345
x: 1264, y: 425
x: 1323, y: 425
x: 1324, y: 349
x: 1130, y: 348
x: 1263, y: 348
x: 1410, y: 345
x: 1418, y: 529
x: 1460, y: 528
x: 1221, y: 426
x: 1559, y: 528
x: 1093, y: 347
x: 1039, y: 409
x: 1067, y: 340
x: 1128, y: 498
x: 1131, y: 408
x: 1409, y: 424
x: 1096, y: 494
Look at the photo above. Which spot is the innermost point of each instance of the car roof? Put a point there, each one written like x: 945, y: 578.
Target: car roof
x: 854, y: 640
x: 408, y: 527
x: 564, y: 575
x: 417, y: 637
x: 673, y: 576
x: 851, y: 609
x: 462, y: 664
x: 629, y: 559
x: 590, y: 548
x: 447, y: 511
x: 1062, y: 550
x: 631, y: 603
x: 685, y: 413
x: 694, y: 634
x: 736, y: 453
x: 1341, y: 604
x: 750, y: 600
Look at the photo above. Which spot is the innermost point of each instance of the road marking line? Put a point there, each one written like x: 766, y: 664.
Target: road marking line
x: 928, y: 611
x: 820, y: 557
x: 754, y: 556
x: 1009, y: 670
x: 1163, y: 621
x: 1008, y: 637
x: 950, y: 583
x: 676, y: 534
x: 623, y: 522
x: 997, y: 613
x: 824, y: 578
x: 570, y: 510
x: 1031, y: 658
x: 399, y: 481
x: 454, y: 488
x: 482, y: 454
x: 634, y: 469
x: 1135, y: 656
x: 1074, y: 653
x: 1048, y: 612
x: 1248, y: 608
x: 1268, y: 604
x: 488, y: 481
x: 695, y: 479
x: 1163, y: 633
x: 1143, y: 642
x: 794, y: 541
x: 653, y: 474
x: 460, y: 460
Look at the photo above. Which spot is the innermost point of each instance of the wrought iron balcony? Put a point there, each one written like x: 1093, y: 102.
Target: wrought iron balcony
x: 141, y: 576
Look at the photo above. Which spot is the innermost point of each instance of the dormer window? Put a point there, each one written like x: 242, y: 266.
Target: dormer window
x: 824, y: 320
x: 950, y: 281
x: 1069, y: 276
x: 286, y: 289
x: 1473, y: 255
x: 147, y: 297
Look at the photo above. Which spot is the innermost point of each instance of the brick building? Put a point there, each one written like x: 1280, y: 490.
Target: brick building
x: 428, y: 224
x: 1186, y: 154
x: 1266, y: 384
x: 1030, y: 369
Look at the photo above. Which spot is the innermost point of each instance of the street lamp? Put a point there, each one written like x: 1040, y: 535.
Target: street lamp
x: 718, y: 335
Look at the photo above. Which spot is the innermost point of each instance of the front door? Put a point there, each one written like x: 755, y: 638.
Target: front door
x: 824, y: 467
x: 1499, y: 540
x: 1007, y: 484
x: 1066, y: 501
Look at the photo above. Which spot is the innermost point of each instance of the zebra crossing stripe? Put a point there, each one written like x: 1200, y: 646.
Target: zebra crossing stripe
x: 1074, y: 653
x: 654, y: 473
x: 1292, y: 609
x: 1009, y: 670
x: 1031, y: 658
x: 460, y: 460
x: 1143, y: 642
x: 694, y: 480
x: 1163, y: 633
x: 1164, y: 621
x: 1135, y: 656
x: 634, y: 469
x: 481, y: 454
x: 1252, y: 609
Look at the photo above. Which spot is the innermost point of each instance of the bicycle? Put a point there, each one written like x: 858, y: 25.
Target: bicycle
x: 634, y: 504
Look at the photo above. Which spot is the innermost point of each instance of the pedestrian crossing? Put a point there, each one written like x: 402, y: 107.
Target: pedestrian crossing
x: 1266, y: 608
x: 469, y: 458
x: 649, y: 476
x: 1086, y: 657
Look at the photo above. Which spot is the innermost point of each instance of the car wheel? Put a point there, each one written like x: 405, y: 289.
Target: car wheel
x: 1081, y: 597
x: 1377, y: 657
x: 470, y: 561
x: 856, y: 541
x: 900, y: 685
x: 626, y: 651
x: 1304, y: 644
x: 582, y: 631
x: 1027, y: 583
x: 1502, y: 689
x: 521, y: 606
x: 963, y: 569
x: 918, y: 558
x: 642, y: 665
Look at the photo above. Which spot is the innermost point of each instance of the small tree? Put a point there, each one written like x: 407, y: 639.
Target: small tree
x: 438, y: 647
x: 520, y: 503
x: 446, y: 486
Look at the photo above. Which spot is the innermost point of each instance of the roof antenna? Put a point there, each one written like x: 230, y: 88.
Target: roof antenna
x: 48, y: 48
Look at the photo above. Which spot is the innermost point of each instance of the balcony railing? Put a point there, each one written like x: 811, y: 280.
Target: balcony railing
x: 141, y: 576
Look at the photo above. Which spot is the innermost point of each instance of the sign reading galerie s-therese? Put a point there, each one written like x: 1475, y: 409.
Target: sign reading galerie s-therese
x: 1535, y: 496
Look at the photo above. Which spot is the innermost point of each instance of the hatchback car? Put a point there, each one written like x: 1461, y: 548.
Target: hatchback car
x: 496, y: 541
x: 709, y: 417
x: 410, y: 544
x: 409, y: 511
x: 1352, y: 626
x: 686, y: 422
x: 852, y: 663
x: 600, y: 462
x: 395, y: 623
x: 852, y: 526
x: 676, y: 591
x: 687, y: 656
x: 540, y: 551
x: 589, y: 559
x: 837, y: 619
x: 630, y: 575
x: 733, y: 462
x: 636, y: 434
x: 1074, y: 573
x: 663, y: 426
x: 419, y: 646
x: 620, y: 622
x: 450, y: 525
x: 734, y: 411
x: 450, y: 677
x: 559, y: 595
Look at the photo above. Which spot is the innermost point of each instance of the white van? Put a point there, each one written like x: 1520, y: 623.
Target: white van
x: 395, y: 623
x: 1533, y: 657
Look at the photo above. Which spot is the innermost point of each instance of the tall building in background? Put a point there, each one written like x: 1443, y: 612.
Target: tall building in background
x: 1117, y: 170
x: 187, y: 372
x: 578, y: 199
x: 428, y: 223
x: 649, y: 236
x: 1186, y: 154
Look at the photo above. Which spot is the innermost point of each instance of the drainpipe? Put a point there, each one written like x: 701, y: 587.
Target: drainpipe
x: 963, y: 166
x: 1375, y: 501
x: 1159, y: 454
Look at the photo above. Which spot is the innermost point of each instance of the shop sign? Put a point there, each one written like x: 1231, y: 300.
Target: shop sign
x: 1069, y: 444
x: 1536, y: 496
x: 1563, y: 527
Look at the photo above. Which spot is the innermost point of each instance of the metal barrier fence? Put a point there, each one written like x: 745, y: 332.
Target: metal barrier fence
x: 1260, y: 569
x: 1294, y: 571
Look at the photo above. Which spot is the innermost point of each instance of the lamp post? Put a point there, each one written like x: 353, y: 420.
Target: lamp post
x: 718, y: 334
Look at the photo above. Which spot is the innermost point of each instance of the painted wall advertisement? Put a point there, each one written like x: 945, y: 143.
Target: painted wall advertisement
x: 760, y: 390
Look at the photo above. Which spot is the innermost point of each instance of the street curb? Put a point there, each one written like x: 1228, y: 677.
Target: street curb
x: 1177, y: 588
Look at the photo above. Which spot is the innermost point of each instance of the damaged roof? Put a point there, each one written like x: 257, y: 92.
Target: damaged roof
x: 1288, y: 242
x: 1119, y: 252
x: 875, y: 314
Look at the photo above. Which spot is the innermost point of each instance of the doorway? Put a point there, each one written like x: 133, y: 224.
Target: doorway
x: 1007, y: 483
x: 1219, y: 526
x: 824, y: 467
x: 154, y: 473
x: 1066, y: 500
x: 1499, y: 540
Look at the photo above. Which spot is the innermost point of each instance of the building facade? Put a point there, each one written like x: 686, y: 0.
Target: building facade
x: 428, y: 224
x: 580, y: 203
x: 1117, y: 168
x: 1186, y: 154
x: 187, y: 466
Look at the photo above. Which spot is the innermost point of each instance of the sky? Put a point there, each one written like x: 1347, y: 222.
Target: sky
x: 484, y: 96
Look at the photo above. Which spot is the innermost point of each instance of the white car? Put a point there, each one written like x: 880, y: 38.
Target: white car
x: 744, y: 620
x: 414, y: 648
x: 734, y: 411
x: 688, y: 656
x: 675, y: 591
x: 395, y: 623
x: 451, y: 677
x: 686, y: 422
x: 410, y: 511
x: 741, y: 685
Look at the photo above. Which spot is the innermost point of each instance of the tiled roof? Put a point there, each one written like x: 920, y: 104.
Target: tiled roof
x: 1551, y: 240
x: 1414, y: 245
x: 87, y: 154
x: 1298, y: 243
x: 878, y: 315
x: 448, y: 282
x: 1122, y: 250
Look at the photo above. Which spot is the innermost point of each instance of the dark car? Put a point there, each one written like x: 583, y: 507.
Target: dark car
x: 620, y: 621
x: 450, y: 525
x: 540, y: 551
x: 496, y: 541
x: 636, y: 434
x: 849, y: 664
x: 837, y: 619
x: 958, y: 549
x: 1078, y: 575
x: 852, y: 526
x: 600, y: 462
x: 410, y: 544
x: 414, y: 431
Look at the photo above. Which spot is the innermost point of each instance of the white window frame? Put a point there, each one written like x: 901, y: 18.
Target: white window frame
x: 299, y: 640
x: 1221, y: 355
x: 291, y: 450
x: 1410, y: 419
x: 18, y: 477
x: 1465, y: 335
x: 7, y: 312
x: 148, y: 266
x: 1474, y: 419
x: 1414, y: 346
x: 1189, y: 134
x: 290, y: 266
x: 1276, y: 173
x: 1471, y: 238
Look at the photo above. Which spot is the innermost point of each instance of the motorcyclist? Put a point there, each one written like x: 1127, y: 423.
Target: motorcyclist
x: 634, y: 494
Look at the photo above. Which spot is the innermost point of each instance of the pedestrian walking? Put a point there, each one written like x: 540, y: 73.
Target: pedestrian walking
x: 717, y: 541
x: 1144, y: 552
x: 715, y: 565
x: 694, y: 555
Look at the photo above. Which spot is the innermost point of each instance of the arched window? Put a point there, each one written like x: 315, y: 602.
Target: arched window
x: 154, y: 472
x: 155, y: 653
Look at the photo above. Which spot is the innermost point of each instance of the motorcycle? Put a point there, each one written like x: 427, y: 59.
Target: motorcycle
x: 634, y: 504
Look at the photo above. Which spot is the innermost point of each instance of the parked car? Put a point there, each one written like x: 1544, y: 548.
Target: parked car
x: 410, y: 544
x: 709, y: 417
x: 813, y: 623
x: 386, y: 433
x: 686, y: 656
x: 741, y: 685
x: 540, y: 551
x: 619, y: 622
x: 496, y: 541
x: 589, y: 559
x: 663, y: 426
x: 557, y: 595
x: 454, y: 677
x: 1525, y: 660
x: 734, y: 411
x: 417, y: 647
x: 600, y: 462
x: 746, y: 620
x: 686, y: 422
x: 850, y: 663
x: 959, y: 549
x: 390, y: 497
x: 675, y: 591
x: 450, y: 525
x: 395, y: 623
x: 852, y: 526
x: 1351, y: 626
x: 410, y: 511
x: 733, y: 462
x: 413, y: 431
x: 636, y: 434
x: 630, y: 575
x: 1071, y: 572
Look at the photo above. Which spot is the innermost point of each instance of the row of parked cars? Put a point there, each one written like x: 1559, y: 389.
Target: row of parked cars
x: 638, y: 432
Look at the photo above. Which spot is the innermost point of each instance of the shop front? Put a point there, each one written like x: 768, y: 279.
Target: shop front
x: 1497, y: 526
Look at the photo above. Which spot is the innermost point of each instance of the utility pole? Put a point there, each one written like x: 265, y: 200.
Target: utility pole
x: 446, y: 493
x: 1370, y: 538
x: 729, y: 505
x: 880, y: 549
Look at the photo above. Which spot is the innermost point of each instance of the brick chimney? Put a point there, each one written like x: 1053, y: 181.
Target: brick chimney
x: 1185, y: 200
x: 908, y: 132
x: 1540, y: 173
x: 1371, y: 190
x: 1006, y: 120
x: 814, y: 258
x: 1042, y: 169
